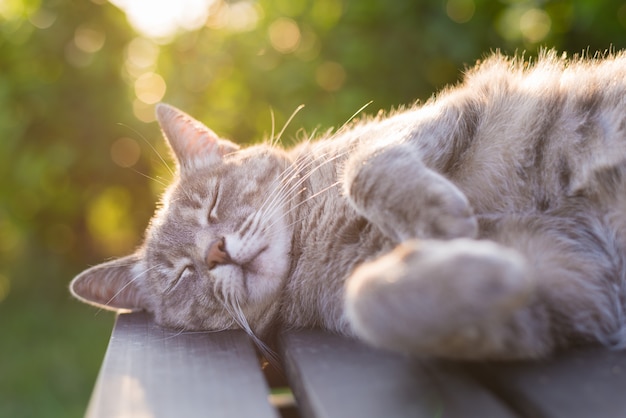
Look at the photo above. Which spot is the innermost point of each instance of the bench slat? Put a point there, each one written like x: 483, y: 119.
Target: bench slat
x: 579, y: 383
x: 152, y: 372
x: 332, y: 376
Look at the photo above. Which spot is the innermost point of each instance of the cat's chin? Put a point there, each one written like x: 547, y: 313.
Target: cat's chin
x: 252, y: 283
x: 264, y: 265
x: 263, y: 277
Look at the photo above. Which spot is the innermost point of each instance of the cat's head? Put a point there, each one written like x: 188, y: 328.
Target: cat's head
x: 216, y: 253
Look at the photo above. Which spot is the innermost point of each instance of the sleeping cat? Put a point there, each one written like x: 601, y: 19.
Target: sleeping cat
x: 487, y: 223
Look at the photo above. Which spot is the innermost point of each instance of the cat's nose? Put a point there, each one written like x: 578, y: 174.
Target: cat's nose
x: 217, y: 254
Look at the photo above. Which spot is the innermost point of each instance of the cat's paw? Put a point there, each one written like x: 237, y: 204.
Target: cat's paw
x: 441, y: 211
x: 447, y: 299
x: 407, y: 200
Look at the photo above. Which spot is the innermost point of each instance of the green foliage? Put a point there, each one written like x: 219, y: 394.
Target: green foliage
x: 79, y: 176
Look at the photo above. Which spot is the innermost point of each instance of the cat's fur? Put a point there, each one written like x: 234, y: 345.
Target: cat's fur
x: 489, y: 222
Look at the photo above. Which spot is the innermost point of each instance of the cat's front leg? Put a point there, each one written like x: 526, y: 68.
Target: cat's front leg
x: 459, y: 299
x: 393, y: 189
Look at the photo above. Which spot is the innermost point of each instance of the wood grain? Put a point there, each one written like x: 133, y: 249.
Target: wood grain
x: 338, y: 377
x: 578, y: 383
x: 152, y: 372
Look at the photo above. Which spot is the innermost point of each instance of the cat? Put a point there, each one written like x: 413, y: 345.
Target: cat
x: 486, y: 223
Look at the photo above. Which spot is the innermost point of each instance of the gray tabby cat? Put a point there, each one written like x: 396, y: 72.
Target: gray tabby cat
x: 489, y: 222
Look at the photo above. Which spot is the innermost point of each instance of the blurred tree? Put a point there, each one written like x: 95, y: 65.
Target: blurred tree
x: 81, y: 163
x: 61, y: 98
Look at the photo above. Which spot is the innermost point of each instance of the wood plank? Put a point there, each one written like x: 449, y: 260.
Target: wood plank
x: 152, y: 372
x: 580, y: 383
x: 332, y: 376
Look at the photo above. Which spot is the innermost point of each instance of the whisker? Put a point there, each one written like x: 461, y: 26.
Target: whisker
x: 156, y: 180
x: 302, y: 203
x: 233, y: 307
x: 158, y: 154
x: 125, y: 286
x: 286, y: 186
x: 273, y: 117
x: 131, y: 281
x: 183, y: 332
x: 280, y: 192
x: 288, y: 174
x: 295, y: 112
x: 288, y: 193
x: 362, y: 108
x: 267, y: 352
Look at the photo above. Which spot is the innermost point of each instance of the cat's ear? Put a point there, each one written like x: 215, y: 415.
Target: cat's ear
x: 114, y: 285
x: 192, y: 142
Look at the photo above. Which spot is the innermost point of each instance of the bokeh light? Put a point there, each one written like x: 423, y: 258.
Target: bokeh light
x: 162, y: 19
x: 42, y: 18
x: 89, y: 39
x: 125, y: 152
x: 141, y: 56
x: 330, y: 76
x: 241, y: 16
x: 461, y: 11
x: 284, y: 35
x: 535, y: 25
x: 150, y: 87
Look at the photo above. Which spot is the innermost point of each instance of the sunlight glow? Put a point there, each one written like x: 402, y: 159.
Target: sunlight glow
x: 330, y: 76
x: 532, y: 25
x: 461, y: 11
x: 162, y: 19
x: 535, y: 25
x: 125, y: 152
x: 88, y: 39
x: 284, y: 35
x: 150, y: 88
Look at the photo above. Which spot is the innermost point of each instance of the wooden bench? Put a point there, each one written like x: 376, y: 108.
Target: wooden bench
x: 152, y: 372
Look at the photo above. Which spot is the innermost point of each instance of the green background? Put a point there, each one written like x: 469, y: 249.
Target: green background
x: 78, y: 173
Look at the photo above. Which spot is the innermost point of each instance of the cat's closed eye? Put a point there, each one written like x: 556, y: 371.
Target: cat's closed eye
x: 184, y: 274
x: 212, y: 212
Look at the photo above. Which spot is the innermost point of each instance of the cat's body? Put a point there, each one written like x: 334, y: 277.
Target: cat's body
x: 372, y: 231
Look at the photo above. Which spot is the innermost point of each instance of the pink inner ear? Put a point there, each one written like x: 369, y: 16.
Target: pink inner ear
x: 109, y: 286
x: 198, y: 141
x: 188, y: 137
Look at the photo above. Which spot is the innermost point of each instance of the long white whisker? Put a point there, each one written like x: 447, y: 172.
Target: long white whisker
x: 132, y: 281
x: 288, y: 174
x: 160, y: 157
x: 287, y: 186
x: 301, y: 203
x: 273, y: 117
x: 233, y: 308
x: 183, y: 332
x: 269, y: 354
x: 158, y: 154
x: 283, y: 182
x: 288, y: 193
x: 156, y: 180
x: 126, y: 285
x: 362, y: 108
x: 152, y: 147
x: 295, y: 112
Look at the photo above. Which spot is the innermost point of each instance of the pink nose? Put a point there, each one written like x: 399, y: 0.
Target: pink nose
x: 217, y: 254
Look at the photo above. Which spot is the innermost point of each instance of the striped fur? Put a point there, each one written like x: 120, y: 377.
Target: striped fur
x: 488, y: 222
